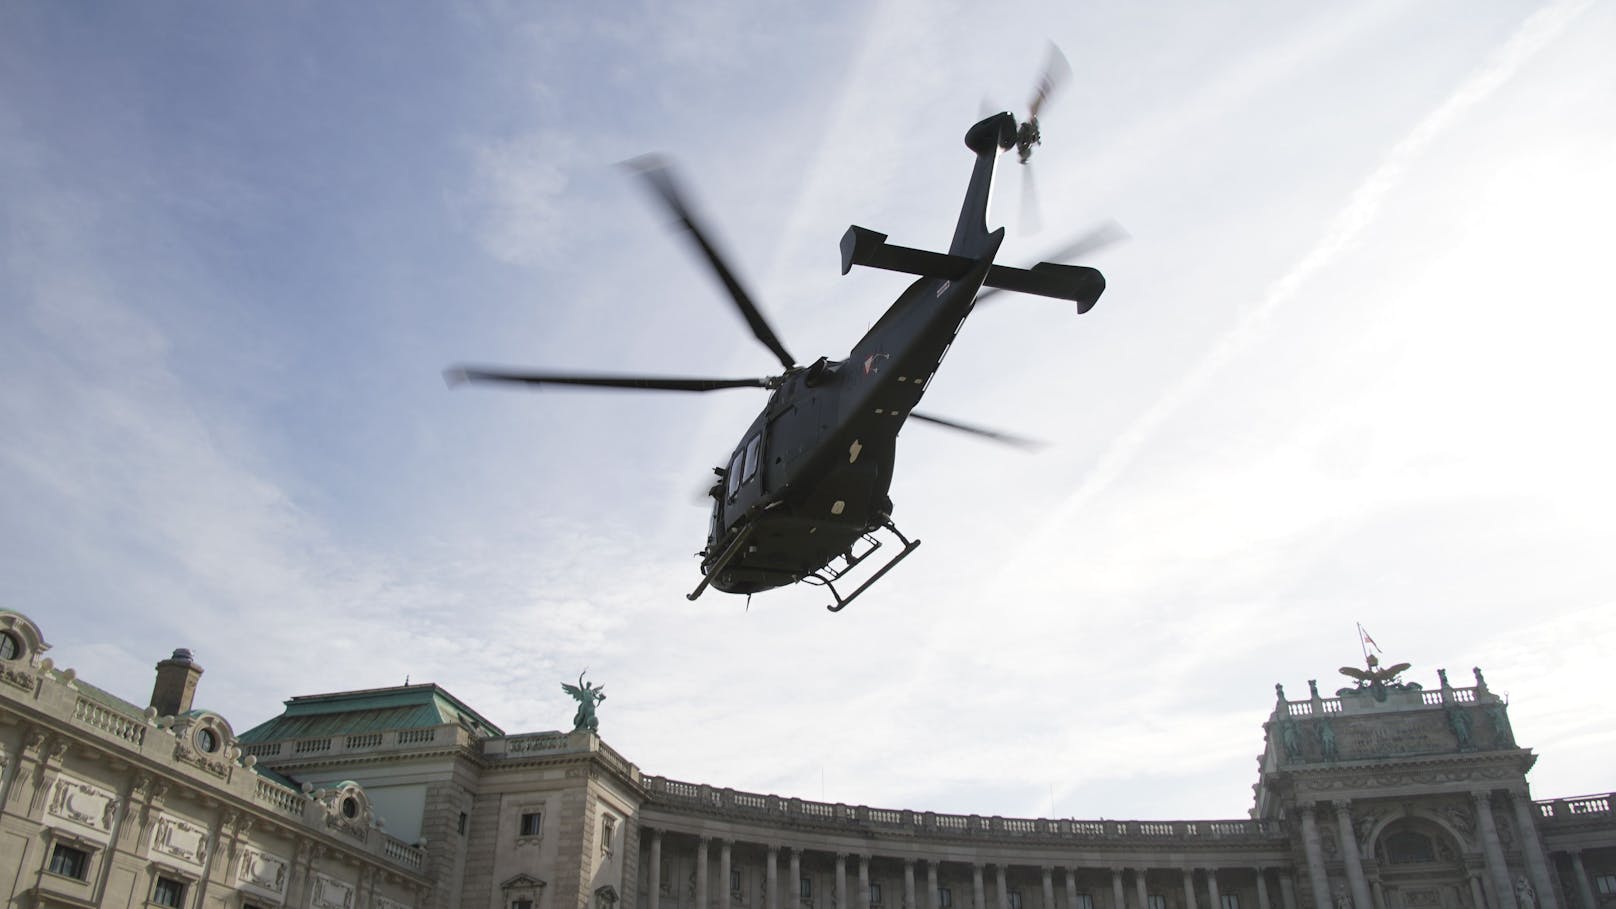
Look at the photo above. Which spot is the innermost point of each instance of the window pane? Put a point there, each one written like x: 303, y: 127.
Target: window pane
x: 735, y: 474
x: 532, y: 824
x: 752, y: 448
x: 945, y: 897
x: 168, y: 892
x: 1157, y: 901
x: 1084, y: 901
x: 69, y: 862
x: 1015, y: 899
x: 1231, y: 901
x: 805, y: 888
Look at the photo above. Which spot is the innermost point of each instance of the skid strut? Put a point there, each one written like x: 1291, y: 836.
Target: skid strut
x: 829, y: 582
x: 730, y: 552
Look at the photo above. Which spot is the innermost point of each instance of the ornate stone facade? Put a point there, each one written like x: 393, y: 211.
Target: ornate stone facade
x: 1386, y: 796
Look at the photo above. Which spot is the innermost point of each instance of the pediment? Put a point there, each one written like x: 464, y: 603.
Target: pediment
x: 522, y: 882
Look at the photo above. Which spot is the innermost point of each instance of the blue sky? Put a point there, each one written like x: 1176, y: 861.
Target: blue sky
x: 1351, y: 367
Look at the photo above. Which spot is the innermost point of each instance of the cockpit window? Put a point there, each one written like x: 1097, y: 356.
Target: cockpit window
x: 735, y: 474
x: 752, y: 450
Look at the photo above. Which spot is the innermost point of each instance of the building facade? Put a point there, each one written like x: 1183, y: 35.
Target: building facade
x: 1384, y: 796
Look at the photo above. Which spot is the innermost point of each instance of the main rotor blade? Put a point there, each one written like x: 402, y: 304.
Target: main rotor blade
x: 1056, y: 72
x: 659, y: 176
x: 1094, y: 239
x: 461, y: 374
x: 1006, y: 438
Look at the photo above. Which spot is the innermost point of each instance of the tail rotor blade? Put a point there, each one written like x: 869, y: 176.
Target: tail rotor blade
x: 659, y: 177
x: 1057, y: 72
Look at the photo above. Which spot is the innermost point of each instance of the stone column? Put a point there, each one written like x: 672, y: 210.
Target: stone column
x: 701, y: 873
x: 1213, y: 898
x: 863, y: 901
x: 1585, y: 891
x: 1377, y: 892
x: 1503, y: 893
x: 931, y: 884
x: 1349, y: 854
x: 1287, y: 889
x: 771, y: 878
x: 653, y: 874
x: 1476, y: 893
x: 1118, y: 900
x: 841, y: 880
x: 1049, y: 886
x: 1189, y: 888
x: 1141, y: 888
x: 909, y: 884
x: 1003, y: 888
x: 794, y: 885
x: 724, y: 887
x: 1262, y: 889
x: 1315, y: 859
x: 1532, y: 848
x: 978, y: 892
x: 1071, y: 889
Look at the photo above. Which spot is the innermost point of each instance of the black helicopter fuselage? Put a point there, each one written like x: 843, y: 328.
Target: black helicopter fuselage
x: 811, y: 476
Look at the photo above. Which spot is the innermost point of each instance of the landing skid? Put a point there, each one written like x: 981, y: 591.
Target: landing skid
x: 827, y: 576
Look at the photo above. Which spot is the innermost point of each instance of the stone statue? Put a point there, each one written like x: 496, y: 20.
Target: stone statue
x: 1502, y: 737
x: 1480, y: 682
x: 1343, y: 899
x: 1327, y: 740
x: 587, y: 696
x: 1524, y: 894
x: 1289, y: 738
x: 1459, y: 721
x: 1313, y: 686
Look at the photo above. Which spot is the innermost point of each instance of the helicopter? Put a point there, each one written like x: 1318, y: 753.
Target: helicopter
x: 803, y: 497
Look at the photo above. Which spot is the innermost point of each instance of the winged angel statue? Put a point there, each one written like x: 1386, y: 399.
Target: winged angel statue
x: 587, y: 696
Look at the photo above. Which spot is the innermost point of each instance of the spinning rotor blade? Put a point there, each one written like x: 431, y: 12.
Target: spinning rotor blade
x: 1056, y: 73
x: 462, y: 374
x: 995, y: 435
x: 1096, y: 238
x: 659, y: 176
x: 1032, y: 220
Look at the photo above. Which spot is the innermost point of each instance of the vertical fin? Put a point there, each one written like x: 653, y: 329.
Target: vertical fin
x: 987, y: 138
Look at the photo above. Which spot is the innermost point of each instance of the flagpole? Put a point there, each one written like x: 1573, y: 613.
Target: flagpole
x: 1363, y: 643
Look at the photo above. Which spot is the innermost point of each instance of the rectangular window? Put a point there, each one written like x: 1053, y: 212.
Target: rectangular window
x: 532, y: 823
x: 1156, y: 901
x: 734, y: 882
x: 1084, y: 901
x: 460, y: 826
x: 169, y: 892
x: 735, y: 473
x: 805, y: 888
x: 608, y: 830
x: 752, y: 450
x: 945, y: 898
x: 875, y: 894
x: 1230, y: 901
x: 1606, y: 884
x: 1015, y: 899
x: 70, y: 862
x: 521, y: 904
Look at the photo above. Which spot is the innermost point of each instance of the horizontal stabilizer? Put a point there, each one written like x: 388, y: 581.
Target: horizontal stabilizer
x: 862, y: 246
x: 1078, y: 283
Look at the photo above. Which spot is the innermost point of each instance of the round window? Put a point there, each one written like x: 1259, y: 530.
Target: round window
x: 207, y: 740
x: 10, y: 647
x: 350, y: 807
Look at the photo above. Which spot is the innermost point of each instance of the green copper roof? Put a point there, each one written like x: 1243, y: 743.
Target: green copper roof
x: 372, y: 710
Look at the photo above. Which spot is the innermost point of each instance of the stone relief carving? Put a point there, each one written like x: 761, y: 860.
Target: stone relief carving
x: 383, y: 902
x: 330, y: 893
x: 180, y: 840
x: 264, y: 870
x: 83, y: 805
x: 1327, y: 840
x: 1524, y: 894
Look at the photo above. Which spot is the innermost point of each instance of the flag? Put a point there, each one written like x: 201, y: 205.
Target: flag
x: 1369, y: 640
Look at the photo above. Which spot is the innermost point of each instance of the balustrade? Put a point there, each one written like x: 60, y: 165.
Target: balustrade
x: 775, y: 809
x: 131, y: 729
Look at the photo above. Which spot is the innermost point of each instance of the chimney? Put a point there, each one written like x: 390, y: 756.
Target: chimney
x: 176, y: 684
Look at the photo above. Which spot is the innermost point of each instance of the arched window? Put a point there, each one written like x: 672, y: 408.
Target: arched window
x: 1405, y: 847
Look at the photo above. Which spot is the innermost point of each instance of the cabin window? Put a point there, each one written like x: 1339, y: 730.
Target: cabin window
x: 735, y: 465
x: 753, y: 450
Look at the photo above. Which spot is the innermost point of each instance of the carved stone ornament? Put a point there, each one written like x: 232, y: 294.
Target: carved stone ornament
x: 264, y: 872
x: 383, y: 902
x: 180, y: 840
x: 18, y: 678
x: 330, y: 893
x: 89, y: 809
